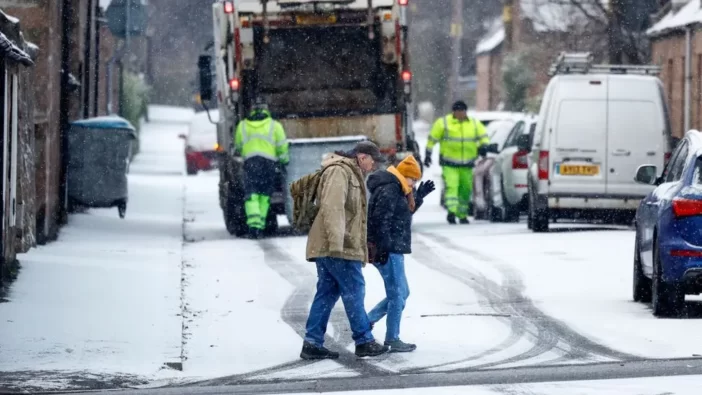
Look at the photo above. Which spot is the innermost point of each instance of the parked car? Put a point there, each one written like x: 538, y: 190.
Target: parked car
x: 201, y: 142
x: 668, y: 246
x: 486, y: 118
x: 507, y: 187
x: 597, y: 124
x: 498, y: 131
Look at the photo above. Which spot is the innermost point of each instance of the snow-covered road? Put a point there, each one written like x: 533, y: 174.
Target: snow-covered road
x: 113, y: 301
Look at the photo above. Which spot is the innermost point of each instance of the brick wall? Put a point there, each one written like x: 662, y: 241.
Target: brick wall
x: 489, y: 73
x: 41, y: 25
x: 669, y: 53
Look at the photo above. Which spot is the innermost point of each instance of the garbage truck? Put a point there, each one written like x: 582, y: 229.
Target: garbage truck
x: 333, y: 72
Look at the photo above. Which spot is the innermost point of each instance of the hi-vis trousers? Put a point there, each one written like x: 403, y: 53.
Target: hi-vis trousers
x: 459, y: 189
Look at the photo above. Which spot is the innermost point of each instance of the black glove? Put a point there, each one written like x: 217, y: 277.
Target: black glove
x: 424, y: 189
x: 382, y: 257
x: 482, y: 150
x: 427, y: 159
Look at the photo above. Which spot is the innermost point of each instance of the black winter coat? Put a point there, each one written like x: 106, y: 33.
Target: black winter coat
x: 389, y: 215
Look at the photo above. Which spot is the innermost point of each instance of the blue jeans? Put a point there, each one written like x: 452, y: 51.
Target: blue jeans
x: 396, y: 294
x: 339, y: 277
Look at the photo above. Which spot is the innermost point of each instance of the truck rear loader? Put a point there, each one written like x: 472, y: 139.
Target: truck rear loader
x: 333, y: 72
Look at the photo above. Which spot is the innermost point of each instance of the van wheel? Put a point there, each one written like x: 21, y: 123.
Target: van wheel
x: 539, y: 220
x: 642, y: 284
x: 668, y: 300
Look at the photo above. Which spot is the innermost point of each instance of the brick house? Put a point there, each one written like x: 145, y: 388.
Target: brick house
x: 677, y: 22
x: 539, y: 29
x: 488, y: 55
x: 89, y: 48
x: 16, y: 140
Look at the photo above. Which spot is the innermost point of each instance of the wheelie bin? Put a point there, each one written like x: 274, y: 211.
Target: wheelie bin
x: 99, y: 152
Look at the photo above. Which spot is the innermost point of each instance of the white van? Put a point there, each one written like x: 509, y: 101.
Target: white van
x: 597, y: 124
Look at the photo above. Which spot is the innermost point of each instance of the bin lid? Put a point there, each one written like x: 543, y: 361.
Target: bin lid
x: 105, y: 122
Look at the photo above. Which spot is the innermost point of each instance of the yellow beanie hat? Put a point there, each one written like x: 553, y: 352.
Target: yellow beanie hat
x: 409, y: 167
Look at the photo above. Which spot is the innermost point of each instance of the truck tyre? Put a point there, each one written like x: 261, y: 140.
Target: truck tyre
x: 235, y: 215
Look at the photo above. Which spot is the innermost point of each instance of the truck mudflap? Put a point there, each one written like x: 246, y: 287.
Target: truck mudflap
x: 306, y: 156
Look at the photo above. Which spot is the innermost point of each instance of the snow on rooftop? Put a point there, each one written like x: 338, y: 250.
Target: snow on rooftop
x: 690, y: 13
x: 550, y: 16
x: 493, y: 38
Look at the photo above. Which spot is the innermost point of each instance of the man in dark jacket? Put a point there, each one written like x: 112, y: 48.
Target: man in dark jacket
x: 390, y: 210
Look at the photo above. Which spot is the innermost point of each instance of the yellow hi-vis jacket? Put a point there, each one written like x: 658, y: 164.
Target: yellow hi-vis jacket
x: 459, y: 140
x: 265, y: 138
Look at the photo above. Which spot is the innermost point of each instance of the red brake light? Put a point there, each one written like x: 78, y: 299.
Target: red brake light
x: 406, y: 76
x: 686, y: 207
x: 519, y: 160
x: 402, y: 2
x: 234, y: 84
x: 228, y: 7
x: 543, y: 165
x: 686, y: 253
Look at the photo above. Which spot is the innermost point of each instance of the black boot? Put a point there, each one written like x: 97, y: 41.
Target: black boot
x: 312, y: 352
x: 463, y: 221
x: 451, y: 218
x: 255, y: 234
x: 370, y: 349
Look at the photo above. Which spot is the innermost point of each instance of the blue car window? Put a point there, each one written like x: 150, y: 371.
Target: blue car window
x: 677, y: 163
x: 697, y: 178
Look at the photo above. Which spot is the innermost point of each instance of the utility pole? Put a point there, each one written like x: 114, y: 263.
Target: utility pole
x: 456, y: 35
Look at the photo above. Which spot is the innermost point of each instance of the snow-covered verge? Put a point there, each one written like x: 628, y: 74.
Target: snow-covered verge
x: 102, y: 304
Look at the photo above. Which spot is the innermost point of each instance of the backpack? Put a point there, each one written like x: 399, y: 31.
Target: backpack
x: 304, y: 196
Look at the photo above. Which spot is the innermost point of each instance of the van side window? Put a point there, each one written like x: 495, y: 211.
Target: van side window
x: 514, y: 134
x: 677, y: 164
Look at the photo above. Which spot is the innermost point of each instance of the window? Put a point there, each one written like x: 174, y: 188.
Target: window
x: 697, y: 178
x: 677, y: 163
x: 532, y: 132
x: 514, y: 134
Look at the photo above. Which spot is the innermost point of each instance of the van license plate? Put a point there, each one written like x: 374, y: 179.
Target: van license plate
x: 578, y: 170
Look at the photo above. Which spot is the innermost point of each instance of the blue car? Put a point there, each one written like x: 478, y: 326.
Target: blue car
x: 668, y: 247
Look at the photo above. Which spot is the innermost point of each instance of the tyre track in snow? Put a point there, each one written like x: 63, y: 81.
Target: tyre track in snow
x: 295, y: 310
x: 547, y: 333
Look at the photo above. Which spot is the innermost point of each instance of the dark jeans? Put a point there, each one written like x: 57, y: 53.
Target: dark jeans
x: 339, y: 278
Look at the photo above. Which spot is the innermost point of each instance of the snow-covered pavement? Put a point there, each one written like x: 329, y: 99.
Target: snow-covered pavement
x: 113, y: 301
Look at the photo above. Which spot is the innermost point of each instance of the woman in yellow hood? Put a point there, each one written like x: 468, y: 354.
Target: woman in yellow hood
x: 390, y: 209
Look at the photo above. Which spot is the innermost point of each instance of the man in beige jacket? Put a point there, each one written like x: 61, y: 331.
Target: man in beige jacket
x: 337, y: 244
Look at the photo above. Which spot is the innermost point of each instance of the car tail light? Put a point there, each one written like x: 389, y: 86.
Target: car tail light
x: 519, y: 160
x: 543, y: 165
x: 686, y: 253
x: 686, y: 207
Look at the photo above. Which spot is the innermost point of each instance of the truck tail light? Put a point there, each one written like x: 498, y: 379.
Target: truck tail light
x: 407, y: 76
x: 519, y: 160
x: 543, y: 165
x: 686, y: 207
x: 228, y: 7
x: 402, y: 2
x: 234, y: 84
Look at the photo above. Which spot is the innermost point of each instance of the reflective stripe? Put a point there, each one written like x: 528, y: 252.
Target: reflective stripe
x: 446, y: 131
x: 270, y: 138
x: 267, y: 156
x: 460, y: 140
x: 281, y: 143
x: 432, y: 139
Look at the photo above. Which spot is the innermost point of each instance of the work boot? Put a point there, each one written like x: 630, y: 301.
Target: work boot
x: 451, y: 218
x: 463, y: 221
x: 370, y: 349
x: 255, y: 234
x: 400, y: 346
x: 312, y: 352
